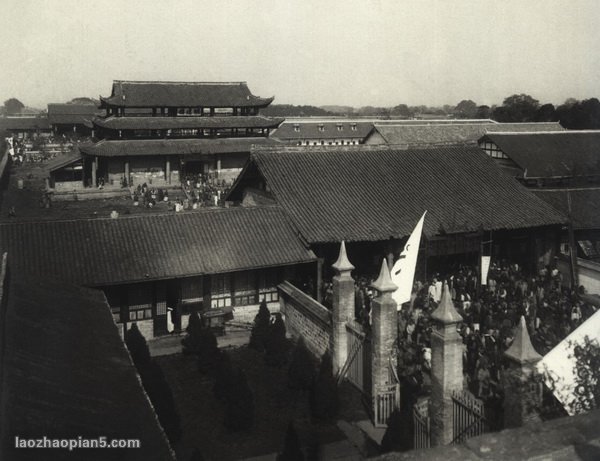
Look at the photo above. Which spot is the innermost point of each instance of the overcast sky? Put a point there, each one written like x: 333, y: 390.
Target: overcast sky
x: 318, y: 52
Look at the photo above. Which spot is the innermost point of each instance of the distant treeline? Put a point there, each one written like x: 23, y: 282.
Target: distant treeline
x: 572, y: 114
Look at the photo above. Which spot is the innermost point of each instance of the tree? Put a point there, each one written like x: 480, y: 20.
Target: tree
x: 302, y: 371
x: 13, y: 106
x: 260, y: 329
x: 224, y: 379
x: 291, y: 447
x: 276, y: 344
x: 137, y: 345
x: 154, y: 383
x: 517, y: 108
x: 208, y: 352
x: 466, y: 109
x: 191, y: 342
x: 239, y: 412
x: 324, y: 393
x: 483, y: 112
x: 546, y: 113
x: 587, y: 375
x: 83, y: 101
x: 401, y: 110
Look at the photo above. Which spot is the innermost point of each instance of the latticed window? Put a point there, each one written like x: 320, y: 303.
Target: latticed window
x: 267, y: 285
x: 220, y: 290
x: 245, y: 288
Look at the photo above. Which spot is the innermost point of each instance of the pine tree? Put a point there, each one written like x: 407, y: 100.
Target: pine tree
x: 138, y: 348
x: 324, y: 393
x: 260, y: 329
x: 191, y: 342
x: 291, y: 447
x: 276, y: 344
x: 239, y: 412
x: 224, y: 380
x: 302, y: 370
x: 208, y: 351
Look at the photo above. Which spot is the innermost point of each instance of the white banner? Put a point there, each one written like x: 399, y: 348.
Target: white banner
x: 403, y: 272
x: 485, y: 268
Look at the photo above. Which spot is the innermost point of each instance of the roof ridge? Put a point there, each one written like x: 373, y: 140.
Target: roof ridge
x: 543, y: 132
x: 172, y: 82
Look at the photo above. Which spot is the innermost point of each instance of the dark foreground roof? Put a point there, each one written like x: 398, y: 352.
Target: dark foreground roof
x: 452, y: 133
x: 296, y: 130
x: 66, y: 373
x: 127, y: 249
x: 189, y: 146
x: 61, y: 161
x: 71, y: 114
x: 544, y: 155
x: 165, y: 123
x: 369, y: 195
x: 24, y: 123
x: 182, y: 94
x: 585, y: 205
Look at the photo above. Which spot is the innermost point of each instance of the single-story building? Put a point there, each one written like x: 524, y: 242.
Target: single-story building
x: 72, y: 118
x: 373, y: 197
x: 151, y: 265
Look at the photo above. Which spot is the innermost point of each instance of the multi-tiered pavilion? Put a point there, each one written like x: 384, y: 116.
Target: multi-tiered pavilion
x: 161, y: 132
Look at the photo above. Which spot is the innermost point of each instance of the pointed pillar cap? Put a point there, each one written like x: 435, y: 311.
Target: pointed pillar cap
x: 384, y: 283
x: 343, y: 264
x: 521, y: 350
x: 445, y: 312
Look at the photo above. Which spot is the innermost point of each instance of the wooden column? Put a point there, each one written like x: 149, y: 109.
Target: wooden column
x: 94, y: 168
x: 127, y: 171
x: 168, y: 171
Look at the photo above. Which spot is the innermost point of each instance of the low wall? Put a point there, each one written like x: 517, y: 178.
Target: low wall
x: 588, y: 273
x: 305, y: 317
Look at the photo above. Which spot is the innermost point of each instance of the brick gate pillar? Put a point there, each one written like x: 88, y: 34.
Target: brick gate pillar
x: 343, y: 307
x: 446, y: 368
x: 384, y: 328
x: 523, y: 391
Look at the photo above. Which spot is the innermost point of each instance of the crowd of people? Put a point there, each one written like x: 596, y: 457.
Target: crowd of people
x: 205, y: 189
x: 490, y: 315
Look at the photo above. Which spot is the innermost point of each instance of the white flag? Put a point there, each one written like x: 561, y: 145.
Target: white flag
x: 485, y: 268
x: 403, y: 272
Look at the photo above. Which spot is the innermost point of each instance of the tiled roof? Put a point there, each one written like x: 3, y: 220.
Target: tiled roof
x: 368, y: 194
x: 188, y: 146
x: 585, y: 205
x: 127, y: 249
x: 559, y: 154
x: 182, y: 94
x: 165, y: 123
x: 297, y: 130
x: 63, y: 160
x: 452, y: 133
x: 66, y: 374
x: 71, y: 114
x: 24, y: 123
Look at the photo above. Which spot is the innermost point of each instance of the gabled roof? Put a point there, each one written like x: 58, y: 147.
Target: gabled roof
x: 188, y: 146
x: 24, y: 123
x: 366, y: 194
x: 71, y: 114
x: 585, y: 204
x: 552, y: 154
x: 61, y: 161
x: 165, y: 123
x: 66, y: 374
x: 108, y: 251
x: 182, y: 94
x: 451, y: 133
x: 333, y: 129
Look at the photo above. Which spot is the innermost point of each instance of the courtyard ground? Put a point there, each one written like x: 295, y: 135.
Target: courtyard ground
x: 275, y: 406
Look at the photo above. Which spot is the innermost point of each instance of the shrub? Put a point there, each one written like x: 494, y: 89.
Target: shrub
x: 276, y: 343
x: 291, y: 447
x: 239, y: 412
x: 260, y: 329
x: 225, y: 379
x: 324, y: 393
x: 302, y: 370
